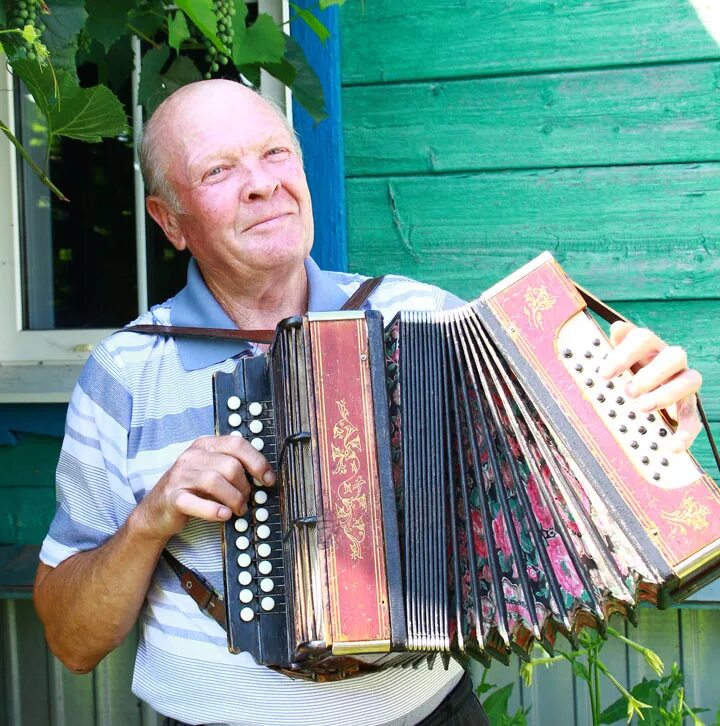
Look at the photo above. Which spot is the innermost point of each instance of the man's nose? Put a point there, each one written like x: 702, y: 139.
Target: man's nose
x: 260, y: 183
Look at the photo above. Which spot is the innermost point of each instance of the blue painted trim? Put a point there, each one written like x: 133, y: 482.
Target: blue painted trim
x: 322, y: 143
x: 46, y: 419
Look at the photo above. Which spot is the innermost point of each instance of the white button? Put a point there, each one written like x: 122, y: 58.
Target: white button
x: 255, y: 408
x: 241, y: 524
x: 262, y: 514
x: 267, y: 603
x: 255, y: 426
x: 260, y: 497
x: 264, y: 550
x: 266, y: 584
x: 244, y: 578
x: 234, y: 420
x: 233, y: 403
x: 263, y: 531
x: 244, y: 560
x: 265, y: 567
x: 258, y: 443
x: 247, y: 614
x: 246, y: 595
x: 235, y: 432
x: 242, y: 542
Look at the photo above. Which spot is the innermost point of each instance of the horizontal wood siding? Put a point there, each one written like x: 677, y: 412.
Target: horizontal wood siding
x: 431, y: 39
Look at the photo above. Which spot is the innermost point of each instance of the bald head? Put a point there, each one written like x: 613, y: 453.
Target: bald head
x: 165, y: 129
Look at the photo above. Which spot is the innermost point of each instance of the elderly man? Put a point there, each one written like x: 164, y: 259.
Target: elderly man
x: 139, y: 471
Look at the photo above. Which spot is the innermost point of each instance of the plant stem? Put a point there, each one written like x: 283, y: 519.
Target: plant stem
x: 33, y: 165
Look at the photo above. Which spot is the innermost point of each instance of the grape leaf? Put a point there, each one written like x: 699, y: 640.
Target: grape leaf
x: 239, y: 27
x: 201, y: 13
x: 85, y: 114
x: 307, y: 89
x: 147, y: 19
x: 312, y: 22
x: 327, y: 3
x: 177, y: 30
x: 496, y: 703
x: 3, y: 15
x: 62, y: 25
x: 150, y: 82
x: 181, y: 72
x: 264, y: 42
x: 107, y: 21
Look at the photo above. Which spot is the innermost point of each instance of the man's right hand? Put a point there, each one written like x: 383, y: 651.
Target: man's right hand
x: 209, y: 480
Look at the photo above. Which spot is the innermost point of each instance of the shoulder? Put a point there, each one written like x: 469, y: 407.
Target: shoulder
x: 397, y: 292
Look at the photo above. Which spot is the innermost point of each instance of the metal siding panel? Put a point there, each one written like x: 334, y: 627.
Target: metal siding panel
x: 700, y: 648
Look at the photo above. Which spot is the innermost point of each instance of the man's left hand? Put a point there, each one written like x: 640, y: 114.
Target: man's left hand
x: 662, y: 378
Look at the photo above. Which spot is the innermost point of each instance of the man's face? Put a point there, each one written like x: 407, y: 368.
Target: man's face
x: 239, y: 181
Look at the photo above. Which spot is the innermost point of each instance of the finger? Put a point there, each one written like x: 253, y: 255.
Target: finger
x: 230, y: 468
x: 240, y: 448
x: 195, y: 506
x: 682, y: 385
x: 689, y: 424
x: 618, y: 331
x: 637, y: 346
x: 665, y: 365
x: 211, y: 484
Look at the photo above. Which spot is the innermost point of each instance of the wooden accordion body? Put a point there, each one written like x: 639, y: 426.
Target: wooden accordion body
x: 460, y: 483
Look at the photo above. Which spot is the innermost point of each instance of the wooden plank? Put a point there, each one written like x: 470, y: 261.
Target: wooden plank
x: 701, y: 644
x: 642, y: 115
x: 558, y: 680
x: 31, y: 462
x: 25, y: 514
x: 638, y: 232
x: 71, y: 696
x: 18, y: 564
x: 430, y: 39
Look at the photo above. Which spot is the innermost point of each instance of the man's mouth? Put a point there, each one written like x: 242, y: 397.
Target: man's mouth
x: 268, y: 221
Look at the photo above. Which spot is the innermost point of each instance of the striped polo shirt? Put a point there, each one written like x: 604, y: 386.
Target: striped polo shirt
x: 140, y: 402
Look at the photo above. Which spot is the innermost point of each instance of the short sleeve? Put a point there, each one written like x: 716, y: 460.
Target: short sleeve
x: 93, y: 493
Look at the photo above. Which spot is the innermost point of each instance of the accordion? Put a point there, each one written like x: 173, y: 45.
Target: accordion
x: 460, y: 483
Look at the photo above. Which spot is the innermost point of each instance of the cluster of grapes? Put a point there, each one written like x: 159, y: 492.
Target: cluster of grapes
x: 22, y: 13
x: 224, y: 10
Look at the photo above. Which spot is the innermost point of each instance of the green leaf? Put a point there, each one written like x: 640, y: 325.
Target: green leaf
x: 3, y: 15
x: 496, y: 704
x: 181, y: 72
x: 306, y: 86
x: 85, y: 114
x: 148, y: 19
x: 150, y: 85
x: 107, y: 21
x: 202, y: 14
x: 312, y: 22
x: 62, y: 25
x: 178, y: 30
x: 264, y: 42
x: 239, y: 27
x: 327, y: 3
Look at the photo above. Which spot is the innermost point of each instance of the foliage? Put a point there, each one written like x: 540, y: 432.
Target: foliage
x: 656, y: 702
x: 74, y: 57
x: 496, y: 704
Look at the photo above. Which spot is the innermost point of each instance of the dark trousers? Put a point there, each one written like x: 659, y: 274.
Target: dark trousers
x: 460, y: 708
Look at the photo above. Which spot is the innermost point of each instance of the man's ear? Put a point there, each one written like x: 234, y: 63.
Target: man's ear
x: 161, y: 212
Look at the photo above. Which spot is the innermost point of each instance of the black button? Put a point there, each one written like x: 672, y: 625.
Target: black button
x: 664, y: 462
x: 596, y: 341
x: 645, y: 460
x: 656, y: 476
x: 589, y: 382
x: 631, y: 414
x: 600, y: 397
x: 651, y: 417
x: 612, y: 413
x: 654, y: 446
x: 634, y: 444
x: 663, y: 432
x: 610, y: 385
x: 588, y: 354
x: 619, y: 400
x: 623, y: 429
x: 567, y: 353
x: 642, y: 430
x: 578, y: 367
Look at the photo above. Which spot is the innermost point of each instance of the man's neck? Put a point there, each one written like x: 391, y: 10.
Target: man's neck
x: 261, y: 301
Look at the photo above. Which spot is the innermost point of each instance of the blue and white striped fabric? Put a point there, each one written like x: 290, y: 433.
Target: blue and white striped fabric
x: 140, y: 402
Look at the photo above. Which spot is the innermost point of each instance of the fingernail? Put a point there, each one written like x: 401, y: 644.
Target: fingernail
x: 269, y: 477
x: 631, y: 389
x: 224, y: 513
x: 645, y: 404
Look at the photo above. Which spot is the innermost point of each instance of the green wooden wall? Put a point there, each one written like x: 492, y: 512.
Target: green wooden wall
x: 481, y: 132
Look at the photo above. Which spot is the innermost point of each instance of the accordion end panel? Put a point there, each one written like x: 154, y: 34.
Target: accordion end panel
x: 662, y: 502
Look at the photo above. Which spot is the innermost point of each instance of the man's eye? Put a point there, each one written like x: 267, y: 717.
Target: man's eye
x: 214, y: 171
x: 278, y: 151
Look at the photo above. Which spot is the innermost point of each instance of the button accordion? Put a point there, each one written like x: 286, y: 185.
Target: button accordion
x: 460, y: 483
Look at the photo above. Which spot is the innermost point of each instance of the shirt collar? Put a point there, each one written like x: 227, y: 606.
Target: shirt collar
x: 195, y: 306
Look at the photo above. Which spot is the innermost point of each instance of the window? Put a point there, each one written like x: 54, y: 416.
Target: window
x: 70, y: 274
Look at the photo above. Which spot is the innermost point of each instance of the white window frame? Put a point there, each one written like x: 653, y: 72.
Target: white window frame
x: 40, y: 365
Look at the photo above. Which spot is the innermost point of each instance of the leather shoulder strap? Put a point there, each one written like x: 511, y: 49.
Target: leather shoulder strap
x: 251, y: 336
